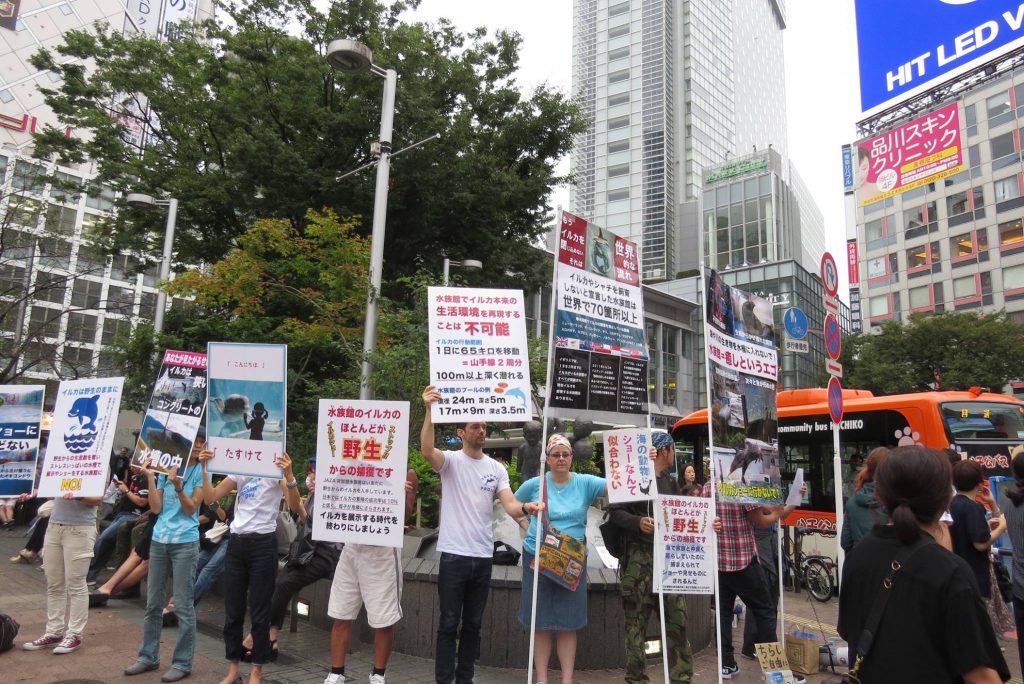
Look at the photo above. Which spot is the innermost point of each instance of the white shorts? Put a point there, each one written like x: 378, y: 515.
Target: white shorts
x: 370, y: 576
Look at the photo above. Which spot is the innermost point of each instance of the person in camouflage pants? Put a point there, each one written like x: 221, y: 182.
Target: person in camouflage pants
x: 635, y: 523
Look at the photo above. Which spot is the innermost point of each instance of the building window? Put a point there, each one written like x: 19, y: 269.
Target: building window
x: 64, y: 188
x: 968, y: 244
x: 76, y: 361
x: 874, y: 230
x: 1013, y: 278
x: 617, y: 31
x: 618, y: 76
x: 922, y: 256
x: 964, y: 201
x: 618, y: 146
x: 921, y: 298
x: 998, y: 104
x: 60, y: 219
x: 1011, y: 233
x: 120, y: 300
x: 616, y: 10
x: 618, y: 195
x: 965, y: 288
x: 28, y: 177
x: 618, y: 53
x: 881, y: 267
x: 114, y: 328
x: 618, y: 122
x: 618, y: 170
x: 1001, y: 146
x: 86, y: 294
x: 54, y: 252
x: 50, y: 287
x: 81, y: 327
x: 44, y: 322
x: 620, y: 98
x: 101, y: 198
x: 878, y: 306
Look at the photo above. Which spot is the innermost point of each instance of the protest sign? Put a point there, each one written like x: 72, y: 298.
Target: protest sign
x: 78, y: 453
x: 687, y: 563
x: 174, y: 414
x: 628, y: 466
x: 479, y: 360
x: 21, y: 410
x: 247, y: 405
x: 742, y: 372
x: 362, y: 451
x: 600, y: 356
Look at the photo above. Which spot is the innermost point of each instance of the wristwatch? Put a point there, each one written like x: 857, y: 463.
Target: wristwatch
x: 292, y: 485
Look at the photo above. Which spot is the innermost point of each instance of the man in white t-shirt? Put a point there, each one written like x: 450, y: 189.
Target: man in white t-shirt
x: 470, y: 481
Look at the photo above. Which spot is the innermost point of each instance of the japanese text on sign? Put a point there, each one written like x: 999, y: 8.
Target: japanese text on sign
x: 628, y: 466
x: 686, y: 563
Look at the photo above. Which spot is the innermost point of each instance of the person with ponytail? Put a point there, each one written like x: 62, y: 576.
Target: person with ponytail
x: 1013, y: 510
x: 934, y: 627
x: 863, y: 510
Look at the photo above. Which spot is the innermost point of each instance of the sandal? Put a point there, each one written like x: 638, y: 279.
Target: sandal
x: 22, y: 558
x: 247, y: 654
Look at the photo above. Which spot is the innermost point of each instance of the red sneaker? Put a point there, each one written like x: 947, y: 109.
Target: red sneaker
x: 45, y: 641
x: 70, y: 644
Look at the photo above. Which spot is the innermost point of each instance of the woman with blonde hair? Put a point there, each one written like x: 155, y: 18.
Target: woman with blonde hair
x: 864, y: 510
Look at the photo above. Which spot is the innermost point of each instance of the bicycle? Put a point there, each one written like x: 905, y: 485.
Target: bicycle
x: 814, y: 571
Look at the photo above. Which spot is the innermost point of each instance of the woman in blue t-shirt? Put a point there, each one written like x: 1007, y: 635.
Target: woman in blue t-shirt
x: 560, y: 612
x: 172, y: 554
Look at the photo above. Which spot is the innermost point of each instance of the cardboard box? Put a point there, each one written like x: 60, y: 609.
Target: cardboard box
x: 802, y: 654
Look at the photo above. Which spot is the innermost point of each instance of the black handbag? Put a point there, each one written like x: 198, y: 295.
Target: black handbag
x: 867, y: 636
x: 1003, y: 581
x: 505, y: 554
x: 612, y: 536
x: 302, y: 548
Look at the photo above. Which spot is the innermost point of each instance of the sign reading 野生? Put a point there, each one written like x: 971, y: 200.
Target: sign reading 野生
x: 908, y: 46
x: 686, y: 564
x: 479, y: 359
x: 362, y: 451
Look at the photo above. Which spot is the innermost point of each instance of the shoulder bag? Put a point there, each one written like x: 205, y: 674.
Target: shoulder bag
x: 287, y: 530
x: 867, y: 636
x: 562, y: 556
x: 302, y: 548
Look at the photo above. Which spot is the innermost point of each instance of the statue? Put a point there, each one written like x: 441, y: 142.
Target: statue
x: 582, y: 449
x: 528, y: 455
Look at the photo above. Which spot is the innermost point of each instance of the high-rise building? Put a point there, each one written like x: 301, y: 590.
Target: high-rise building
x: 61, y: 301
x: 670, y: 88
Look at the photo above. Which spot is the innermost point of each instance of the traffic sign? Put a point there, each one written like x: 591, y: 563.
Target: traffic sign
x: 829, y: 274
x: 796, y: 322
x: 798, y: 346
x: 831, y: 304
x: 834, y: 368
x: 835, y: 400
x: 833, y: 337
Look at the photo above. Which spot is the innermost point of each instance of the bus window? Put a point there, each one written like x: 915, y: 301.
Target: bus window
x: 983, y: 420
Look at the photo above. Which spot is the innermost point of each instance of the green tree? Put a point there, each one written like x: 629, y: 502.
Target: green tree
x: 246, y: 120
x: 957, y: 349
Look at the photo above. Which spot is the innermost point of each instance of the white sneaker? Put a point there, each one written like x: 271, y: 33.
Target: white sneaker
x: 377, y: 679
x: 335, y: 679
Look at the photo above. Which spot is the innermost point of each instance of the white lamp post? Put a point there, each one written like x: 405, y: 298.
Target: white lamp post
x: 352, y: 57
x: 465, y: 264
x: 138, y: 200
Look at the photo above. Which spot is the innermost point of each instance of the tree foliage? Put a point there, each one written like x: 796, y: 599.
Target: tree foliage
x: 245, y: 120
x: 957, y: 350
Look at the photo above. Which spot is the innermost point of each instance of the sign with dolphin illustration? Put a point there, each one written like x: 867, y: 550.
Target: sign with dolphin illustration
x: 479, y: 358
x: 81, y: 438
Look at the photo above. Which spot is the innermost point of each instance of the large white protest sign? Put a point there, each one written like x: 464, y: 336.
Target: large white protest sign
x: 479, y: 359
x: 246, y: 413
x: 628, y: 466
x: 21, y: 411
x: 687, y: 563
x: 81, y: 438
x: 362, y: 454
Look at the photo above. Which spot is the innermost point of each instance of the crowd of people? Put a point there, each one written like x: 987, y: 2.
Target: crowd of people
x: 920, y: 524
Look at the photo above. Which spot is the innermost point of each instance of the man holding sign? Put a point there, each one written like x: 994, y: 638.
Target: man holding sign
x: 636, y: 522
x: 470, y: 481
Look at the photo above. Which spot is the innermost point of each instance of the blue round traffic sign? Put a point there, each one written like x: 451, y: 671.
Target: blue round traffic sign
x: 835, y: 400
x: 796, y: 322
x: 833, y: 337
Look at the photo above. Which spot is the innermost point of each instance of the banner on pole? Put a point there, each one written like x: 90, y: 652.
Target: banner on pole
x: 362, y: 450
x: 82, y: 436
x: 627, y: 465
x: 686, y: 564
x: 174, y: 414
x: 247, y: 406
x: 600, y: 354
x: 742, y: 380
x: 479, y: 358
x: 21, y: 411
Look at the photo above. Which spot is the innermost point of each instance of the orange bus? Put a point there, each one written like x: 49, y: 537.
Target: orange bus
x: 983, y: 425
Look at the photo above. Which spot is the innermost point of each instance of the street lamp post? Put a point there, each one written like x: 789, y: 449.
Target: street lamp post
x: 349, y: 56
x: 466, y: 264
x: 138, y: 200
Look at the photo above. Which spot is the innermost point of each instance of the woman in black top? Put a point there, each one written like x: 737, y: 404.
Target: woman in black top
x: 935, y: 627
x: 1013, y: 510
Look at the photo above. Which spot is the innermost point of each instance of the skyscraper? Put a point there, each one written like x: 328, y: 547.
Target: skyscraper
x: 670, y: 87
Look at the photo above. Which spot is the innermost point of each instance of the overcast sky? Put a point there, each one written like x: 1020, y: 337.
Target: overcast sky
x: 821, y: 80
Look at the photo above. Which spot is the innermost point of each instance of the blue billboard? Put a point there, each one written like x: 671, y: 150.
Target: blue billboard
x: 906, y: 46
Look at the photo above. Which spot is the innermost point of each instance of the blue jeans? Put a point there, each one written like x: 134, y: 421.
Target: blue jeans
x: 208, y: 570
x: 463, y: 583
x: 178, y: 561
x: 105, y: 544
